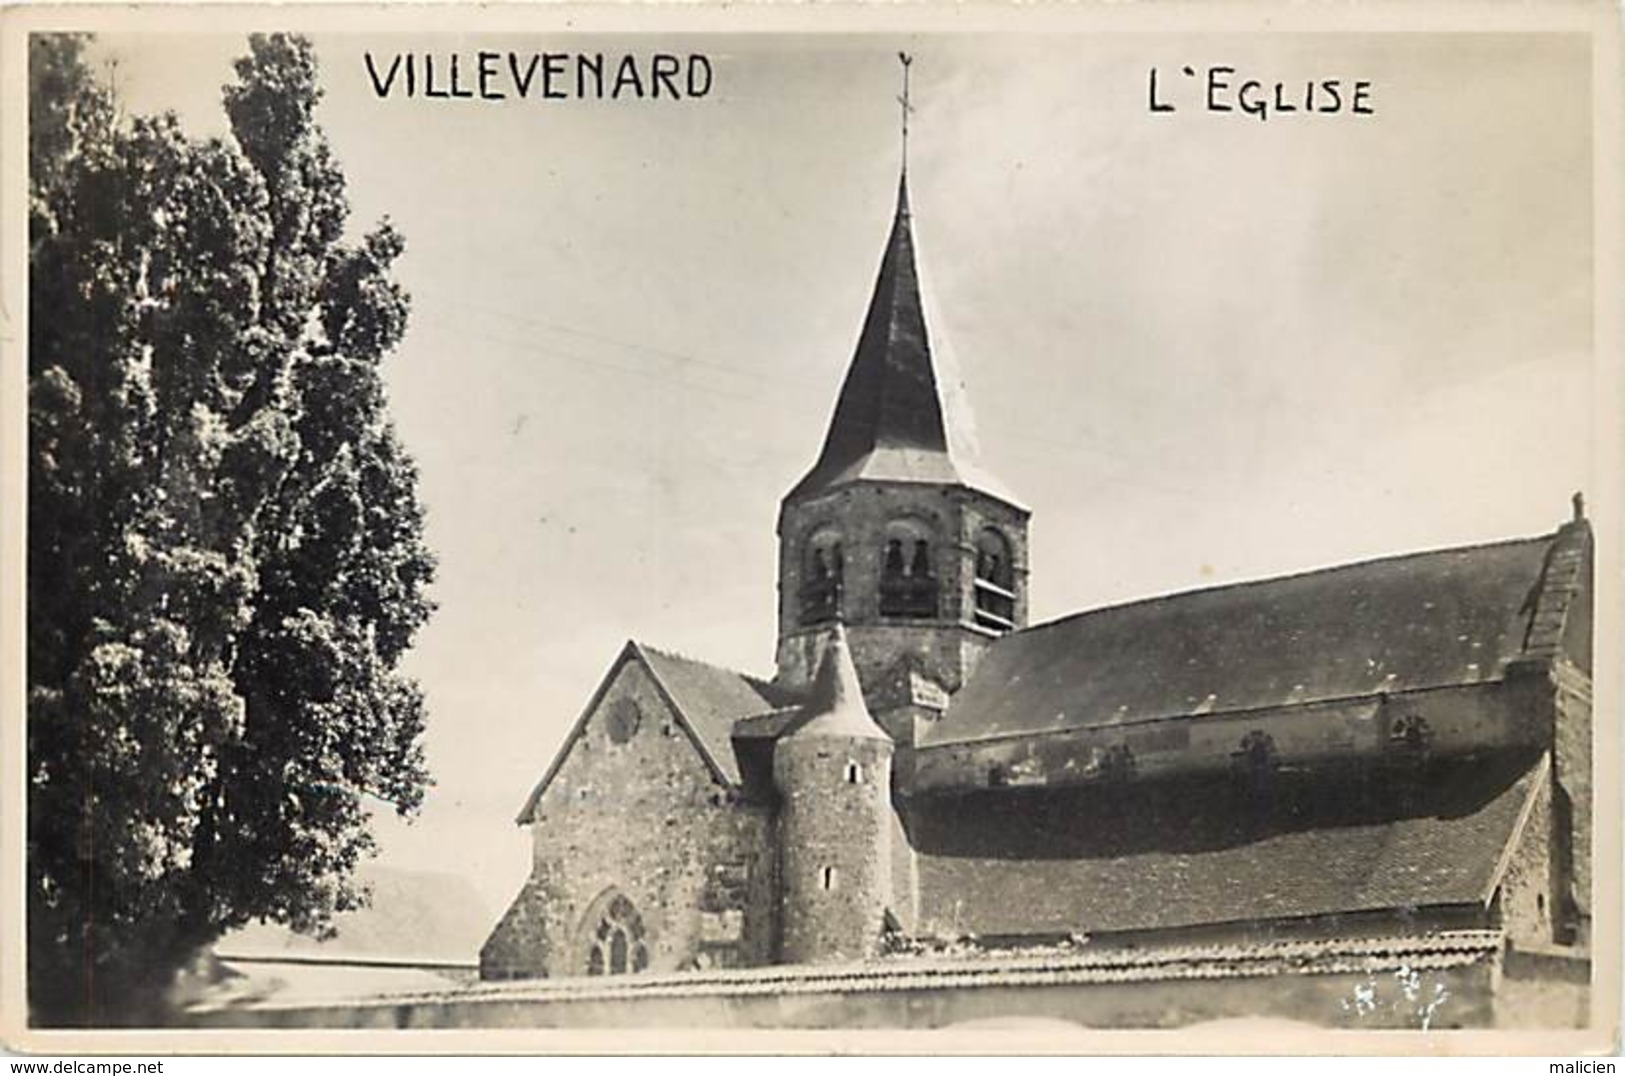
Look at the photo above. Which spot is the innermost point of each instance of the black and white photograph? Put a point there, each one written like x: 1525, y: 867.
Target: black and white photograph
x: 1008, y: 526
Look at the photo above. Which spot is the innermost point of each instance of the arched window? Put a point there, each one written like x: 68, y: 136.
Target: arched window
x: 908, y: 577
x: 616, y: 945
x: 995, y: 582
x: 823, y: 571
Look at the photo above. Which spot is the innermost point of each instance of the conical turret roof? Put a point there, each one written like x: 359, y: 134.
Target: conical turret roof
x: 890, y: 421
x: 835, y: 705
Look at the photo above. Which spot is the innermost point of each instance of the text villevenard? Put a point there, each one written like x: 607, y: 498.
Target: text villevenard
x: 542, y: 76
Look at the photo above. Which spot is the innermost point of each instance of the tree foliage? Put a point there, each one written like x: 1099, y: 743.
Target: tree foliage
x: 226, y: 558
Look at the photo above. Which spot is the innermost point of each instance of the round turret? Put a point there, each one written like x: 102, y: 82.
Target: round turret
x: 833, y: 773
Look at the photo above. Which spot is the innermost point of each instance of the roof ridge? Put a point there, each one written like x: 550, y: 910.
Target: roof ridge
x: 673, y: 655
x: 1563, y: 576
x: 1264, y: 581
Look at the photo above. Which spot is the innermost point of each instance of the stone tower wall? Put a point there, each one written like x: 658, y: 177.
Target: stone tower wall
x: 835, y: 855
x: 944, y: 648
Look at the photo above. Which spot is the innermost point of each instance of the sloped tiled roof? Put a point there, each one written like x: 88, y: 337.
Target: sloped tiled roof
x: 710, y: 698
x: 771, y: 724
x: 1453, y: 616
x: 1065, y: 861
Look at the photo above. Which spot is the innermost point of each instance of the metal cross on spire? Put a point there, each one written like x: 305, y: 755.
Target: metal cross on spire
x: 903, y: 101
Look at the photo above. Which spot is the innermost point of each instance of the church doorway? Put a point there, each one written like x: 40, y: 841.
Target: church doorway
x: 615, y: 941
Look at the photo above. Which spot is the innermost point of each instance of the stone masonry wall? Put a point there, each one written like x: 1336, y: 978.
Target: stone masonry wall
x: 647, y: 818
x: 835, y: 829
x: 1572, y: 762
x: 946, y: 647
x: 518, y: 947
x: 1526, y: 888
x: 1381, y: 996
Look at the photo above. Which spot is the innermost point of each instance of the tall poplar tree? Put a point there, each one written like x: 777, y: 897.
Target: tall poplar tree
x: 226, y: 559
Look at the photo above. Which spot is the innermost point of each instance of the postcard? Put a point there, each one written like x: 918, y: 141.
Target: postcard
x: 879, y: 527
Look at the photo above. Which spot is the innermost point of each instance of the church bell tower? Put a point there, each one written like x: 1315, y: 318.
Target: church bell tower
x: 892, y: 533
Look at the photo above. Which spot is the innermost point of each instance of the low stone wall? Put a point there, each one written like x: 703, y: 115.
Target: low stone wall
x: 1542, y: 988
x: 1447, y: 981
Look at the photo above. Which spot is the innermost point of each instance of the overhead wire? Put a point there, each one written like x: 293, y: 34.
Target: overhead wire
x: 671, y: 377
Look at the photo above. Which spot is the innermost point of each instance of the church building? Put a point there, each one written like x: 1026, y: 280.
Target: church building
x: 1390, y: 751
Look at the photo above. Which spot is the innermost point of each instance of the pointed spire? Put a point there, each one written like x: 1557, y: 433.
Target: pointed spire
x: 835, y: 706
x: 889, y: 421
x: 894, y: 421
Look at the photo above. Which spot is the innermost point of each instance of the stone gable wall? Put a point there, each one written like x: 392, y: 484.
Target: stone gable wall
x: 1527, y: 887
x: 1571, y: 756
x: 648, y: 818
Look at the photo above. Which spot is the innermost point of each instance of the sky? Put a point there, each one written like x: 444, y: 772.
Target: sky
x: 1201, y: 347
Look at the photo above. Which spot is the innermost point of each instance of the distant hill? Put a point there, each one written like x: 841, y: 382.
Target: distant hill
x: 415, y: 915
